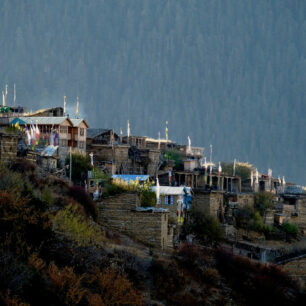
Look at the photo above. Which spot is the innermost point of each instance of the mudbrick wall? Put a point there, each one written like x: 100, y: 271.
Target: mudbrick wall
x: 8, y: 146
x: 208, y: 202
x: 151, y: 228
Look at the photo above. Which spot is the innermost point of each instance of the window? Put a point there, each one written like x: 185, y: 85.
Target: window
x: 159, y: 201
x: 63, y: 129
x: 81, y: 131
x: 81, y: 144
x: 169, y: 200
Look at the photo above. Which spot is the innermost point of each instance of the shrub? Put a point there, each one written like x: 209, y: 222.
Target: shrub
x: 263, y: 201
x: 46, y: 196
x: 148, y: 198
x: 243, y: 216
x: 167, y: 280
x: 290, y: 228
x: 191, y: 256
x: 80, y: 167
x: 81, y: 196
x: 176, y: 155
x: 205, y: 228
x: 250, y: 219
x: 75, y: 227
x: 257, y: 282
x: 111, y: 288
x: 23, y: 166
x: 111, y: 190
x: 66, y: 284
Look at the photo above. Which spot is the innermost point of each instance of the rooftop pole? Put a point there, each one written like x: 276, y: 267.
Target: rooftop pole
x: 70, y: 164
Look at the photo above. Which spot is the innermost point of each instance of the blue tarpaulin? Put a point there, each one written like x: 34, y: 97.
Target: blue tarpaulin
x: 130, y: 177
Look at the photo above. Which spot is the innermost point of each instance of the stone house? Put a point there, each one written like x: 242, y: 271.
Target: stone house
x: 60, y: 129
x: 101, y: 136
x: 209, y: 202
x: 240, y: 200
x: 169, y: 199
x: 196, y: 179
x: 78, y: 132
x: 196, y: 152
x: 147, y: 225
x: 292, y: 208
x: 265, y: 183
x: 144, y: 142
x: 48, y: 158
x: 126, y: 157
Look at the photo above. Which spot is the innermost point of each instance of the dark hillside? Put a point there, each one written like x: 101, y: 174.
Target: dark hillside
x: 52, y: 253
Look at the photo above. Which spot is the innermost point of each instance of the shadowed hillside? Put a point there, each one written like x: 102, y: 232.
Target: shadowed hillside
x: 53, y: 253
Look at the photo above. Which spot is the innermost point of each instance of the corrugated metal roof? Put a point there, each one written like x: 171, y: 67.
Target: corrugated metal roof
x: 152, y: 209
x: 77, y: 122
x: 49, y: 151
x: 130, y: 177
x: 169, y: 190
x: 40, y: 120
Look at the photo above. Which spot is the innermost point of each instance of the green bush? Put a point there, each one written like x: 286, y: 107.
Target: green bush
x: 205, y: 228
x: 243, y: 216
x: 147, y: 198
x: 73, y: 225
x: 80, y: 167
x: 263, y: 201
x: 251, y: 219
x: 175, y: 155
x: 111, y: 190
x: 290, y: 228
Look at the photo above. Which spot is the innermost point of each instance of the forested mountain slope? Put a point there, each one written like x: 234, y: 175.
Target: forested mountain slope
x: 230, y: 73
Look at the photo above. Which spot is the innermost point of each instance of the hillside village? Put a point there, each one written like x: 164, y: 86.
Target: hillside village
x: 149, y: 189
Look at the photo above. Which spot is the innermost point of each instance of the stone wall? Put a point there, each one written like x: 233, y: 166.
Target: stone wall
x: 269, y: 217
x: 119, y: 213
x: 208, y: 202
x: 296, y: 269
x: 8, y: 146
x: 294, y: 213
x: 245, y: 199
x: 117, y: 154
x: 153, y: 164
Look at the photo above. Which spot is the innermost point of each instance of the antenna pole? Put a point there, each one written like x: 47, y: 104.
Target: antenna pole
x: 70, y: 164
x: 210, y: 153
x: 64, y: 105
x: 14, y: 94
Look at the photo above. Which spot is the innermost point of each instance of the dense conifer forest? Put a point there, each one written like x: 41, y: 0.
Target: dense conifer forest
x: 225, y: 72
